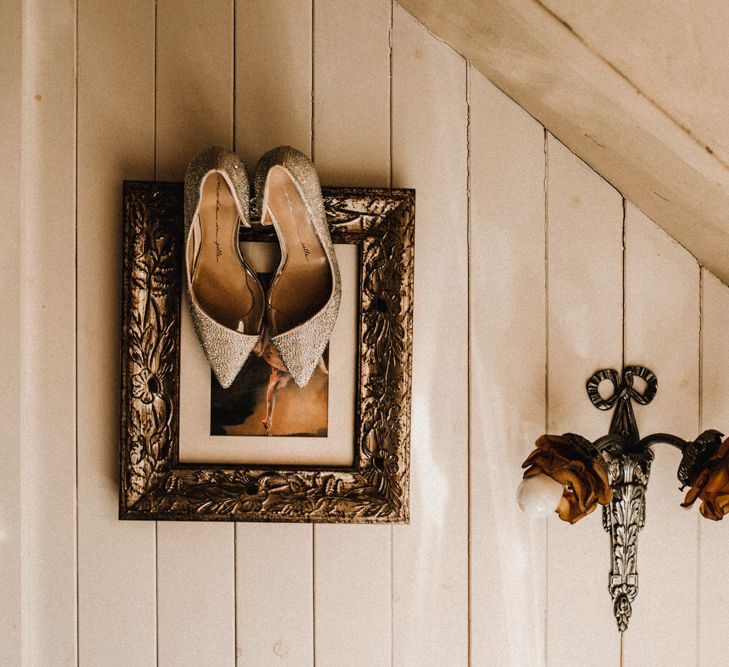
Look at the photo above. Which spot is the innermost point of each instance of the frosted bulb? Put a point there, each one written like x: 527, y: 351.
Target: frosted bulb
x: 538, y: 496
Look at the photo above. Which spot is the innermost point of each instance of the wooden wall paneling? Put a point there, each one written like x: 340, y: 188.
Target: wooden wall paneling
x: 48, y: 343
x: 248, y: 75
x: 273, y: 102
x: 430, y: 556
x: 713, y: 594
x: 662, y: 333
x: 10, y: 327
x: 506, y: 375
x: 273, y: 83
x: 352, y: 568
x: 195, y: 561
x: 584, y: 334
x: 115, y: 142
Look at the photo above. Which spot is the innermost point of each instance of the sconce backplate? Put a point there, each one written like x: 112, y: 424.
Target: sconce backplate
x: 628, y: 467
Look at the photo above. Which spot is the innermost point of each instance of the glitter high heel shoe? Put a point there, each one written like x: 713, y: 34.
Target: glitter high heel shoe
x: 226, y: 299
x: 303, y: 300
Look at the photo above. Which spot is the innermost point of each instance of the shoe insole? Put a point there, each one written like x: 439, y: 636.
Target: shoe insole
x: 221, y: 283
x: 303, y: 283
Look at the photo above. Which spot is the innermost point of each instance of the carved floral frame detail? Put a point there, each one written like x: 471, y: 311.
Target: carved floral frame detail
x: 155, y: 485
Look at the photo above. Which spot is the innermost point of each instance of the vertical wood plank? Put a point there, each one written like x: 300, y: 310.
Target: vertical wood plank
x: 662, y: 332
x: 508, y: 354
x: 195, y: 562
x: 713, y: 576
x: 48, y: 345
x: 274, y: 566
x: 10, y: 327
x: 272, y: 76
x: 430, y: 556
x: 115, y: 142
x: 352, y: 92
x: 352, y: 59
x: 275, y: 596
x: 584, y: 334
x: 194, y: 81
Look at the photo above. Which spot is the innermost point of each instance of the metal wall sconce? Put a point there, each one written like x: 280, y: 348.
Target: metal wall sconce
x: 575, y: 475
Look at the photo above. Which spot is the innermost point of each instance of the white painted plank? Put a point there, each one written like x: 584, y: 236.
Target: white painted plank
x: 272, y: 76
x: 275, y: 595
x: 352, y: 92
x: 713, y: 600
x: 662, y: 333
x: 352, y: 61
x: 274, y: 566
x: 430, y: 556
x: 116, y: 560
x: 10, y: 326
x: 195, y: 570
x: 195, y: 562
x: 507, y: 358
x: 48, y: 405
x: 194, y: 81
x: 584, y: 288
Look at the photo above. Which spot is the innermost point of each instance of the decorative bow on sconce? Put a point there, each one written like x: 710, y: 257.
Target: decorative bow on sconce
x: 575, y: 475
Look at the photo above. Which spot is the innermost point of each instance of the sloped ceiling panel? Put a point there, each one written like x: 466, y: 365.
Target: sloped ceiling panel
x: 594, y: 98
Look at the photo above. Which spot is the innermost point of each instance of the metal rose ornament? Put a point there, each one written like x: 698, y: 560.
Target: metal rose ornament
x: 708, y: 475
x: 572, y: 461
x: 614, y: 470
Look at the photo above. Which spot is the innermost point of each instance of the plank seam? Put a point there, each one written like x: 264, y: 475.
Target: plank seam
x: 546, y: 375
x: 701, y: 426
x: 154, y: 77
x: 621, y: 646
x: 468, y: 359
x: 313, y: 74
x: 235, y: 593
x: 234, y: 73
x: 390, y: 39
x: 234, y: 100
x: 154, y: 169
x: 622, y: 199
x: 313, y: 596
x: 311, y: 148
x: 75, y: 327
x: 25, y: 365
x: 156, y: 595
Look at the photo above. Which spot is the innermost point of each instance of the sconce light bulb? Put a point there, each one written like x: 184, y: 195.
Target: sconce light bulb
x: 538, y: 496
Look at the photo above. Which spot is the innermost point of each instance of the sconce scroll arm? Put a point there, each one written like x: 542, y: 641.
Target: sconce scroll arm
x: 665, y: 438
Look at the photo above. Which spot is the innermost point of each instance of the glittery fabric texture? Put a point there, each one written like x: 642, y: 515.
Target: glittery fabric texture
x: 301, y: 347
x: 226, y: 349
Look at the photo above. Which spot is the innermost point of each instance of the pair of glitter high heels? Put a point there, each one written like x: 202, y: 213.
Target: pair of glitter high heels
x: 229, y: 307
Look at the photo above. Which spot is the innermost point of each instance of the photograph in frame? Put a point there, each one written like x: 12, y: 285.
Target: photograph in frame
x: 200, y: 440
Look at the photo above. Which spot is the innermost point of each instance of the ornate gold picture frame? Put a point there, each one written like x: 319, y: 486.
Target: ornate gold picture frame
x: 155, y: 485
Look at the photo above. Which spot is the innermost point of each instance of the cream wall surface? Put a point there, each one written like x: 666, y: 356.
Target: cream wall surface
x: 531, y: 273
